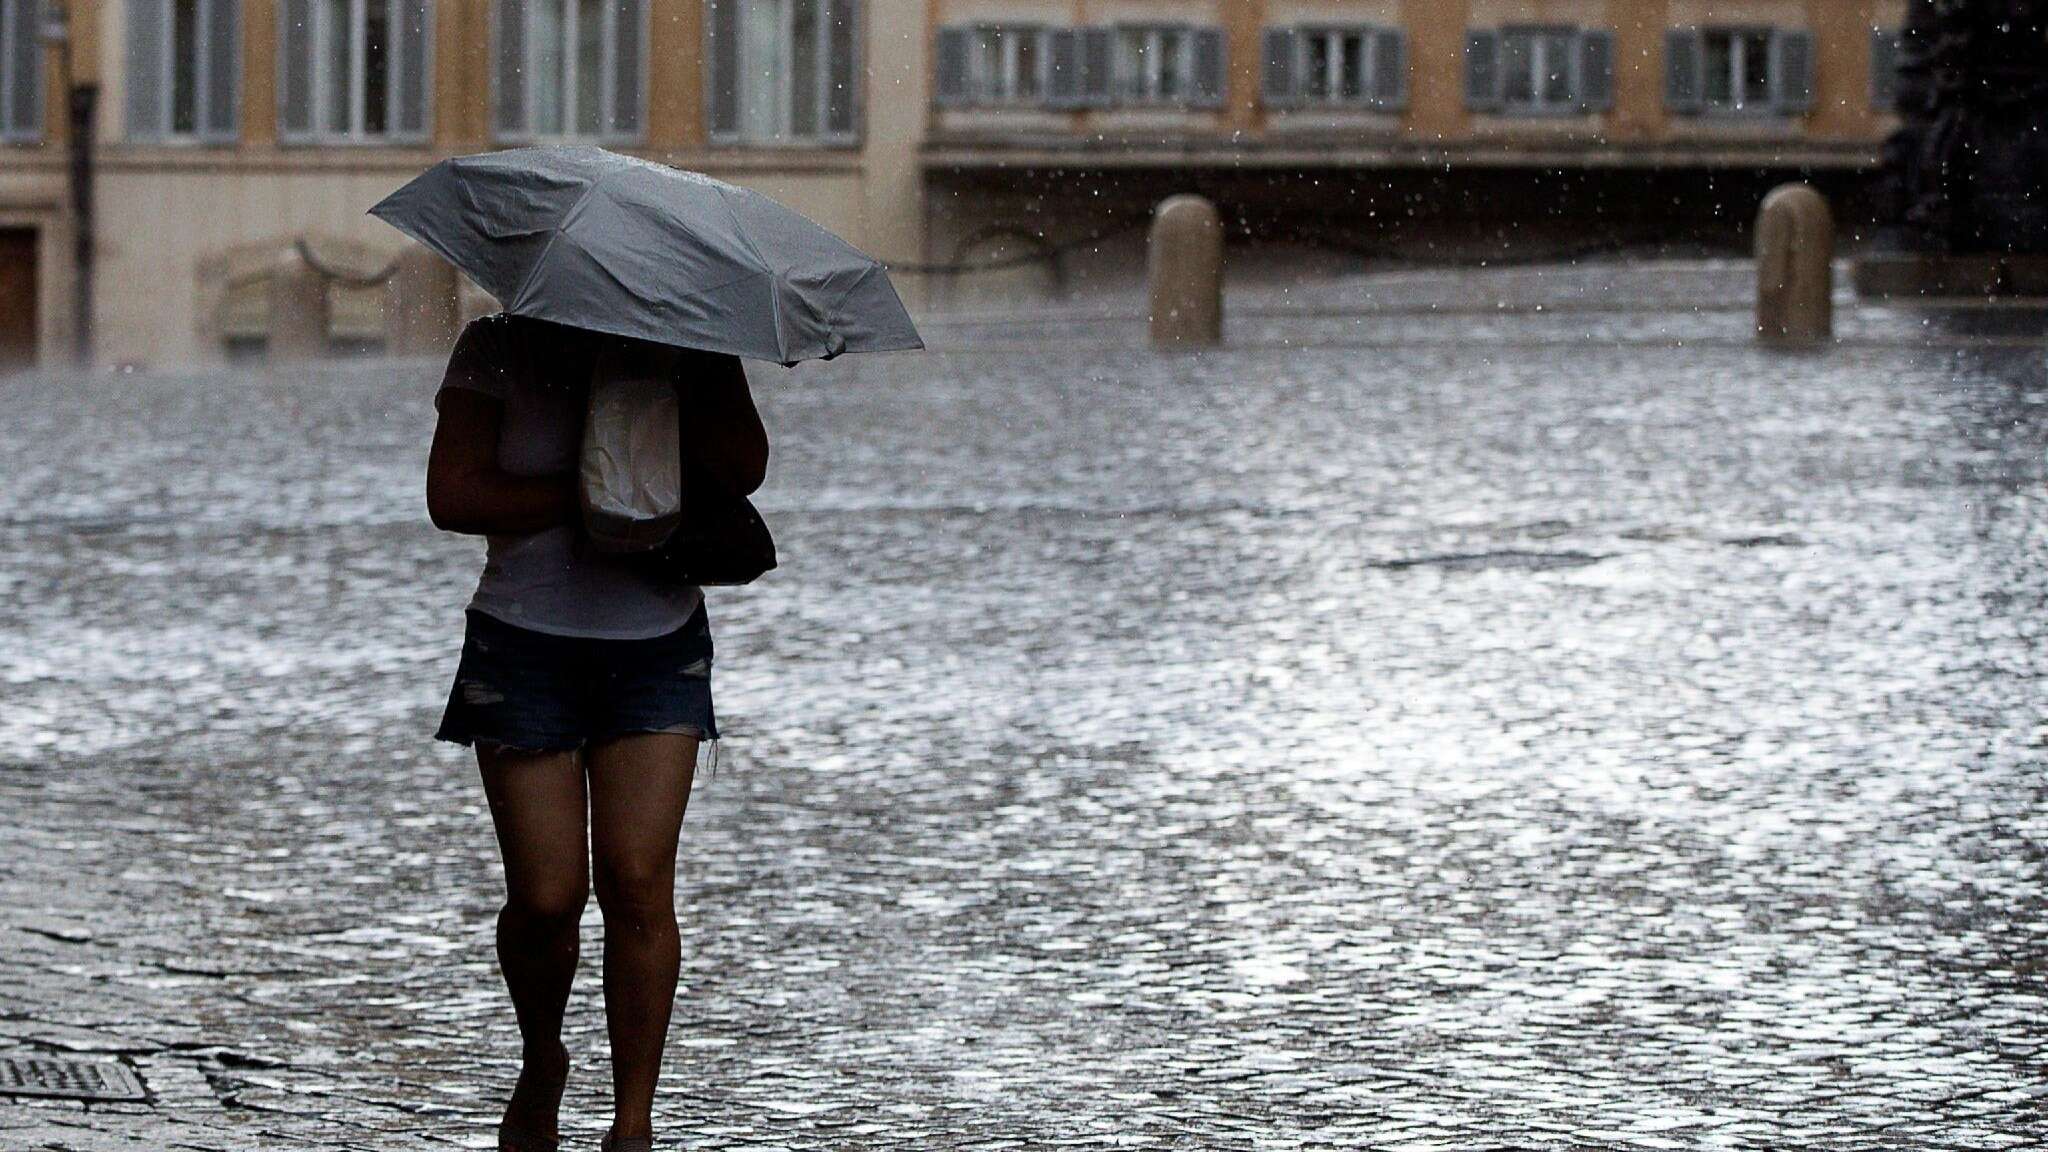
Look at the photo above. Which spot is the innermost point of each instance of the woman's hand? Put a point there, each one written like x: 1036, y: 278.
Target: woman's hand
x: 466, y: 490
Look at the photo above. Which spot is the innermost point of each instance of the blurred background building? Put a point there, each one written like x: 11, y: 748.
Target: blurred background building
x: 194, y: 144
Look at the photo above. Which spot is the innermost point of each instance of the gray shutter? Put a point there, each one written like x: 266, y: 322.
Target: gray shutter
x: 1596, y: 70
x: 1063, y: 77
x: 950, y: 91
x: 1281, y: 84
x: 410, y: 90
x: 1389, y: 69
x: 295, y: 68
x: 1482, y: 71
x: 1884, y: 69
x: 1209, y: 68
x: 148, y: 44
x: 843, y: 76
x: 1097, y: 67
x: 1682, y: 67
x: 24, y: 69
x: 509, y: 75
x: 722, y: 66
x: 223, y: 50
x: 1792, y: 71
x: 629, y: 33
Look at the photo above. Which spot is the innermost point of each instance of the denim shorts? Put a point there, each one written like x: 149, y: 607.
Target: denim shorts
x: 535, y: 692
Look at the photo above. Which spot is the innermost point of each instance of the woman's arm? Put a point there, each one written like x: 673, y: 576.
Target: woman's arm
x: 729, y: 440
x: 466, y: 490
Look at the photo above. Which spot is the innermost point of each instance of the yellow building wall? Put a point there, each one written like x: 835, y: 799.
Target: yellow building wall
x: 165, y: 213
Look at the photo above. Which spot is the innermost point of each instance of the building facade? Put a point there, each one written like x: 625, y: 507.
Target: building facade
x: 1030, y: 135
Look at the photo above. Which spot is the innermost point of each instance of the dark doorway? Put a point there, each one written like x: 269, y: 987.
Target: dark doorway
x: 18, y: 311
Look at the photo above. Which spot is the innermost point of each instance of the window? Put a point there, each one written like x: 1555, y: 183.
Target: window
x: 353, y: 70
x: 1886, y: 50
x: 1540, y: 71
x: 570, y: 68
x: 184, y: 69
x: 1167, y: 64
x: 1022, y: 66
x: 21, y: 70
x: 783, y: 71
x: 1154, y: 64
x: 1006, y: 64
x: 1336, y: 67
x: 1739, y: 71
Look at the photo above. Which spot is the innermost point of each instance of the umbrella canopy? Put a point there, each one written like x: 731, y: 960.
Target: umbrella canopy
x: 590, y: 238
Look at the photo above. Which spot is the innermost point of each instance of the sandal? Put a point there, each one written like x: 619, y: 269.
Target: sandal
x: 626, y: 1143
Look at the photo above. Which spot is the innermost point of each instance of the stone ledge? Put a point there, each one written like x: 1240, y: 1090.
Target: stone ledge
x: 1922, y: 277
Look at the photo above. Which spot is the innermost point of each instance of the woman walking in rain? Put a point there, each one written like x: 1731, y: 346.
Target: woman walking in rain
x: 585, y: 686
x: 585, y: 680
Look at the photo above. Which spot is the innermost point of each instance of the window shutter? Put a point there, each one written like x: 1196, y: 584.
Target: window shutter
x: 1281, y: 84
x: 148, y: 45
x: 1389, y: 70
x: 223, y: 69
x: 629, y: 31
x: 722, y: 62
x: 1792, y: 71
x: 843, y: 91
x: 1884, y: 69
x: 1209, y: 68
x: 951, y: 89
x: 1063, y: 79
x: 1482, y: 71
x: 24, y: 70
x: 1097, y: 67
x: 295, y: 68
x: 1596, y: 70
x: 510, y: 72
x: 410, y: 89
x: 1682, y: 68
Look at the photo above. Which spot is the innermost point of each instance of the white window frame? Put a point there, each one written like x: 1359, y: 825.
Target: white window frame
x: 317, y: 110
x: 166, y: 131
x: 785, y: 136
x: 10, y: 25
x: 1740, y: 39
x: 1540, y: 38
x: 1335, y: 35
x: 1145, y: 88
x: 530, y: 75
x: 1002, y: 90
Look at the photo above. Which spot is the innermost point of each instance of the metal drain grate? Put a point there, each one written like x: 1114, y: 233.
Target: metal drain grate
x: 70, y: 1079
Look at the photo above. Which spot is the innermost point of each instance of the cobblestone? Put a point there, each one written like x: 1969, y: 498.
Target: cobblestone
x: 1408, y: 728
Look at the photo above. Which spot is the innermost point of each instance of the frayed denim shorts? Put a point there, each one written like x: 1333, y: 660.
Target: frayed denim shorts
x: 535, y: 692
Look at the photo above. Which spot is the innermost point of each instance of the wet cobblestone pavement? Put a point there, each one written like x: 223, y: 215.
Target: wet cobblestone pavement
x: 1438, y: 721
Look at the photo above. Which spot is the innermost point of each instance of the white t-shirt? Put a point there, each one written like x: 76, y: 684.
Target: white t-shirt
x: 543, y: 582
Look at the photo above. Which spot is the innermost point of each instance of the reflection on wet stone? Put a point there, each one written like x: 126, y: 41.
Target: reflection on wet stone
x: 1513, y: 730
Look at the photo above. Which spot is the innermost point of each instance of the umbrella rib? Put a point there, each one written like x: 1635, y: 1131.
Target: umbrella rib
x: 553, y: 236
x: 775, y: 295
x: 839, y: 305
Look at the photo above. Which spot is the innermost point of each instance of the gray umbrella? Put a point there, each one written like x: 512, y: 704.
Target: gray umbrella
x: 586, y: 237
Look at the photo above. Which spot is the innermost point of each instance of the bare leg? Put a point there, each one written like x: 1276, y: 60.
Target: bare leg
x: 639, y: 786
x: 537, y: 803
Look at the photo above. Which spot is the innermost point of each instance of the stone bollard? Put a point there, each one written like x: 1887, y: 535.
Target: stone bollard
x: 1187, y: 274
x: 420, y: 304
x: 298, y: 309
x: 1795, y: 268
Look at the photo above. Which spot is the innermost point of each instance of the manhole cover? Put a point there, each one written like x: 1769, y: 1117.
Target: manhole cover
x: 71, y: 1079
